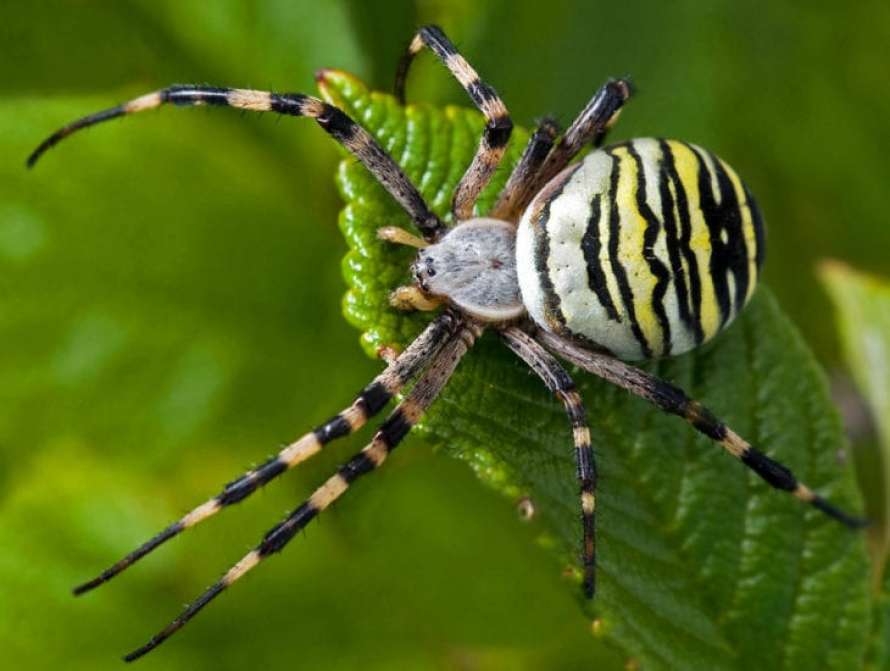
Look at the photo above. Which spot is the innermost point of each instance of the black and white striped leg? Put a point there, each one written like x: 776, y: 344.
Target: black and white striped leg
x: 370, y: 401
x: 333, y: 120
x: 560, y: 383
x: 591, y: 125
x: 390, y: 434
x: 674, y: 400
x: 518, y: 191
x: 498, y: 124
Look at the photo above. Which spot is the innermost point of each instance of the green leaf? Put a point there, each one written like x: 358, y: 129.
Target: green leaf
x: 701, y: 565
x: 862, y: 305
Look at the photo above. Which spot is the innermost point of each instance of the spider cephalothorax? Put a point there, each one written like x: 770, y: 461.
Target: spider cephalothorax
x: 473, y: 267
x: 643, y: 249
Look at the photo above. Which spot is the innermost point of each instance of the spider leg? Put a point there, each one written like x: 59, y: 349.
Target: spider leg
x: 333, y: 120
x: 560, y: 383
x: 498, y: 125
x: 674, y: 400
x: 590, y: 125
x: 518, y: 191
x: 370, y: 401
x: 390, y: 434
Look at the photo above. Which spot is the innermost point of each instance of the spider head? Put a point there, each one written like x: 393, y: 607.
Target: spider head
x: 425, y: 269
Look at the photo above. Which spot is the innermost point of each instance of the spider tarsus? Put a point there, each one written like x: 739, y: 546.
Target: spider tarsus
x: 136, y: 654
x: 142, y: 650
x: 88, y: 586
x: 627, y: 87
x: 837, y: 514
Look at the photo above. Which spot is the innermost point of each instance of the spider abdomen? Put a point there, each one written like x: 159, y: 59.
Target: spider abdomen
x: 646, y: 248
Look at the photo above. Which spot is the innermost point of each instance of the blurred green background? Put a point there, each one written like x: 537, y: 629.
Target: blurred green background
x: 170, y: 307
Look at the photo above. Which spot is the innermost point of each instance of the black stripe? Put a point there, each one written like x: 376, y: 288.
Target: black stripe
x: 394, y: 429
x: 759, y: 230
x: 735, y: 250
x: 726, y: 216
x: 480, y: 92
x: 434, y: 37
x: 279, y: 535
x: 552, y: 312
x: 672, y: 241
x: 670, y: 175
x: 242, y: 487
x: 497, y: 132
x: 291, y: 103
x: 374, y: 398
x: 335, y: 427
x: 591, y: 246
x: 773, y: 472
x: 337, y: 124
x: 650, y: 237
x: 560, y: 380
x: 357, y: 467
x: 666, y: 396
x: 705, y: 421
x: 586, y: 465
x: 193, y: 95
x: 541, y: 142
x: 617, y: 269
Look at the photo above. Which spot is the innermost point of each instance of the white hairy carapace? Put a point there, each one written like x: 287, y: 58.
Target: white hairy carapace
x: 474, y: 267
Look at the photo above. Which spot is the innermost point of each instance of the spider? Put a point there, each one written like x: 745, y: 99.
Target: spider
x: 642, y: 249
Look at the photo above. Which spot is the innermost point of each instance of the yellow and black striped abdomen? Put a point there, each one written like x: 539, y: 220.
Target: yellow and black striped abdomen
x: 646, y: 248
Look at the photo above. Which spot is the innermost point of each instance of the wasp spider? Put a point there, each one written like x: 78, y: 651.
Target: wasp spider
x: 643, y: 249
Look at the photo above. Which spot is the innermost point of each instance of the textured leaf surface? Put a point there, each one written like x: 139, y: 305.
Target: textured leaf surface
x: 862, y: 304
x: 701, y: 565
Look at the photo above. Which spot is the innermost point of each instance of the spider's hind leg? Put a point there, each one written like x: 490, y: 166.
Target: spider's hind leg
x: 560, y: 383
x: 370, y: 401
x: 674, y: 400
x: 390, y: 434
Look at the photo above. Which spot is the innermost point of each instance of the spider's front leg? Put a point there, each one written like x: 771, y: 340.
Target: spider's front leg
x: 498, y: 125
x: 591, y: 125
x: 560, y: 383
x: 332, y: 119
x: 518, y: 191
